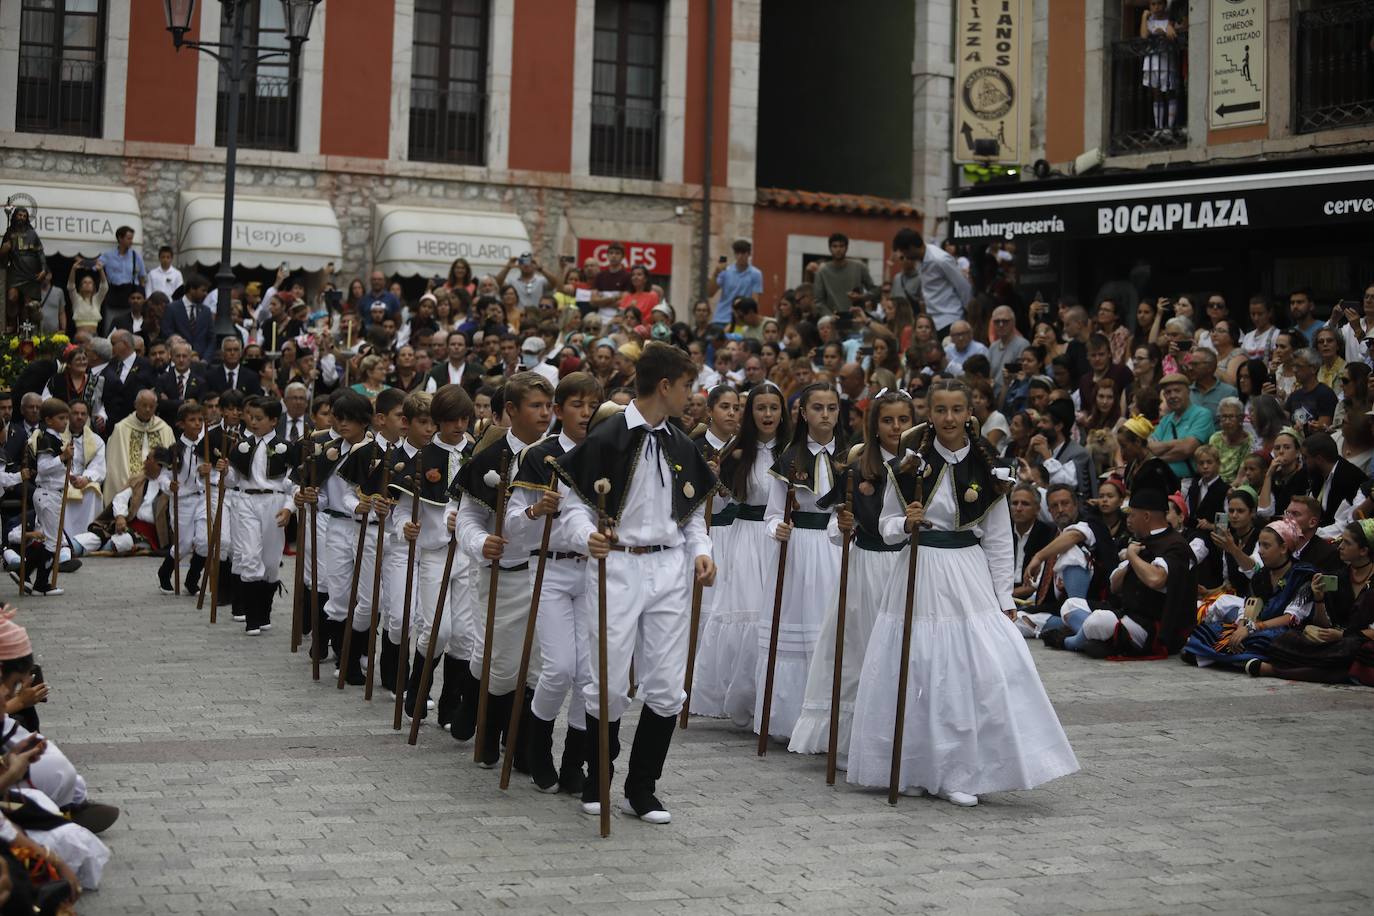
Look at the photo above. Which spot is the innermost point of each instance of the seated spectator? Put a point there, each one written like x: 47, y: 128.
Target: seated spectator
x: 1207, y: 391
x: 961, y: 346
x: 1285, y: 477
x: 1081, y: 558
x: 1334, y: 481
x: 1182, y: 429
x: 1153, y: 603
x: 1063, y: 459
x: 1231, y: 441
x: 1029, y: 534
x: 1341, y: 623
x: 1238, y: 632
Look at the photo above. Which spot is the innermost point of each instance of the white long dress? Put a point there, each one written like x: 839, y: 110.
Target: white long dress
x: 977, y: 717
x: 870, y: 571
x: 723, y: 681
x: 813, y: 571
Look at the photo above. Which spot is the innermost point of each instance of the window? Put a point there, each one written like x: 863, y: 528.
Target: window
x: 448, y: 82
x: 1335, y: 65
x: 269, y: 91
x: 627, y: 63
x: 1149, y: 108
x: 61, y: 84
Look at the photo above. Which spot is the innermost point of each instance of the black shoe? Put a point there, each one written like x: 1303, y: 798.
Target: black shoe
x: 465, y: 721
x: 1252, y: 667
x: 520, y: 761
x: 357, y: 648
x: 94, y: 817
x: 1054, y: 638
x: 164, y: 577
x: 191, y: 584
x: 417, y: 667
x: 493, y: 733
x: 391, y: 656
x: 537, y: 736
x: 69, y: 566
x: 451, y: 695
x: 652, y: 738
x: 331, y: 632
x: 570, y: 776
x: 591, y: 793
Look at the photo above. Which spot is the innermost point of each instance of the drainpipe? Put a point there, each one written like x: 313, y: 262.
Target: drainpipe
x: 708, y: 136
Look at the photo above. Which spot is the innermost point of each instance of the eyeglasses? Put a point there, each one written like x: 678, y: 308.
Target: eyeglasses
x: 1216, y: 305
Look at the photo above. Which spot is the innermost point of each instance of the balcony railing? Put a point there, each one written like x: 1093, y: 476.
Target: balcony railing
x: 448, y: 126
x: 267, y: 113
x: 60, y: 96
x: 1335, y: 66
x: 626, y: 141
x: 1149, y: 95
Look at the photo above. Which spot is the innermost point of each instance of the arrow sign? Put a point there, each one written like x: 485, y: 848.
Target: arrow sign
x: 1224, y: 110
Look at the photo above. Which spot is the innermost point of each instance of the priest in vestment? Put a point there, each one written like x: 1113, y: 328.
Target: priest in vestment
x: 133, y: 438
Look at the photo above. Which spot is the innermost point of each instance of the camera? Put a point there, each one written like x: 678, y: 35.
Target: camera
x: 526, y: 258
x: 333, y: 296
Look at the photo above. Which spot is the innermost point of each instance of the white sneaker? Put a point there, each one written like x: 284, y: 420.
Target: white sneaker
x: 962, y: 799
x: 265, y: 627
x: 238, y: 618
x: 914, y: 792
x: 657, y: 816
x: 257, y: 632
x: 430, y: 704
x: 593, y: 808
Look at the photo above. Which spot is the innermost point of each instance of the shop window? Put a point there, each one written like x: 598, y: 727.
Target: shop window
x: 627, y: 76
x: 1149, y: 74
x: 61, y: 82
x: 269, y: 93
x: 448, y: 82
x: 1335, y: 65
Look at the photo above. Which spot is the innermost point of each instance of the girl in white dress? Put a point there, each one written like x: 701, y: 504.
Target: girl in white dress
x: 813, y: 561
x: 873, y: 563
x: 723, y: 683
x: 977, y: 717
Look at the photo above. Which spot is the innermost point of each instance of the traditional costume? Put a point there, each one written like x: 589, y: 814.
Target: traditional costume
x: 183, y: 466
x: 348, y: 473
x: 49, y: 485
x: 977, y: 717
x: 85, y: 504
x: 258, y: 474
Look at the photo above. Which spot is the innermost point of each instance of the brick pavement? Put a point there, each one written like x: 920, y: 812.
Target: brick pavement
x: 247, y: 789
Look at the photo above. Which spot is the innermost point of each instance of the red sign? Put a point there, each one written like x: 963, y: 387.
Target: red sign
x: 656, y: 258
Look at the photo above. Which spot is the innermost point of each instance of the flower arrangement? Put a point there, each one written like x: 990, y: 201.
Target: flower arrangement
x: 18, y: 350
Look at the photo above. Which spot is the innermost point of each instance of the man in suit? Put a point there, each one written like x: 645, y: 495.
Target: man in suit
x: 180, y: 383
x: 191, y: 318
x: 1029, y: 533
x: 1064, y: 460
x: 458, y: 370
x: 1333, y: 480
x: 295, y: 419
x: 230, y: 373
x: 126, y: 374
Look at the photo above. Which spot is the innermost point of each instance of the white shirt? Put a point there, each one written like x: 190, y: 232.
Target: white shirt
x: 163, y: 281
x: 189, y: 483
x: 806, y: 500
x: 257, y: 478
x: 295, y: 428
x: 231, y: 377
x: 455, y: 377
x: 646, y: 517
x: 526, y: 533
x: 1061, y: 472
x: 120, y: 504
x: 126, y: 365
x: 92, y: 467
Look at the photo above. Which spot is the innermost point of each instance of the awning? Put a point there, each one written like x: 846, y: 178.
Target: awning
x: 79, y: 219
x: 1269, y: 200
x: 267, y: 231
x: 424, y: 241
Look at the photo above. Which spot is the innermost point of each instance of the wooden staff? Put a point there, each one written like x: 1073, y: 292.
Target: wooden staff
x: 176, y: 528
x: 375, y: 621
x: 513, y: 727
x: 209, y: 514
x: 833, y: 752
x: 895, y: 773
x: 316, y: 617
x: 61, y: 519
x: 24, y: 521
x: 692, y: 631
x: 484, y: 690
x: 603, y: 719
x: 416, y: 477
x: 428, y: 670
x: 352, y: 600
x: 777, y: 622
x: 298, y: 583
x: 230, y: 441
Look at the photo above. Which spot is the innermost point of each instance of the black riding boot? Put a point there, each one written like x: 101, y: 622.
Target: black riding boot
x: 520, y: 760
x: 451, y: 695
x: 417, y: 667
x: 647, y: 754
x: 591, y: 791
x: 469, y: 687
x: 537, y: 736
x: 570, y: 775
x: 191, y: 585
x: 391, y: 657
x: 493, y: 731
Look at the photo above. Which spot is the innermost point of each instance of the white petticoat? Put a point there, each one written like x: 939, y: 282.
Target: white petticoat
x: 727, y: 651
x: 813, y: 572
x: 870, y: 572
x: 977, y: 717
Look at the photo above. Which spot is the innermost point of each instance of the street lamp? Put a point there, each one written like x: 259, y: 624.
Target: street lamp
x: 298, y: 15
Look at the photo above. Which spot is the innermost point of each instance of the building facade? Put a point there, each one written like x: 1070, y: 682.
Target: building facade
x: 1225, y: 148
x: 411, y: 132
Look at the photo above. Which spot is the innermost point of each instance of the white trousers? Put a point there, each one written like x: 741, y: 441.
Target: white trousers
x: 339, y: 555
x: 46, y: 506
x: 562, y: 629
x: 429, y: 572
x: 226, y: 526
x: 508, y: 630
x: 52, y: 774
x: 192, y: 535
x: 647, y: 619
x: 258, y: 539
x: 462, y: 607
